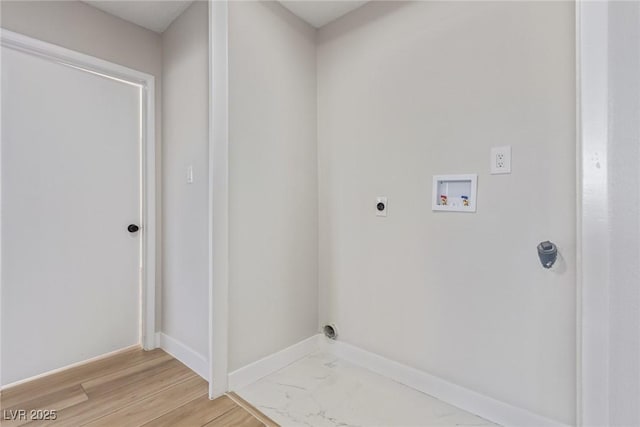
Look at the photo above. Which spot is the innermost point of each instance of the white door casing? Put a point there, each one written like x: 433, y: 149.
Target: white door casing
x: 592, y: 214
x: 608, y: 41
x: 218, y: 198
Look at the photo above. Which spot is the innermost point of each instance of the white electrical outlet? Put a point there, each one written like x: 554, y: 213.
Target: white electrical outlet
x: 501, y: 160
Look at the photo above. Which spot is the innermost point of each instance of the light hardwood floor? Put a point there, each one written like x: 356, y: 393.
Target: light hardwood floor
x: 130, y: 389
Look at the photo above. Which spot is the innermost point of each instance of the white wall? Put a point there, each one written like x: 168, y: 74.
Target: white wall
x: 624, y: 213
x: 409, y: 90
x: 185, y: 67
x: 85, y: 29
x: 273, y: 181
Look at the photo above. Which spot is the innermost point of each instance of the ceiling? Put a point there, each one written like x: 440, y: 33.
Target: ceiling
x: 318, y: 12
x: 158, y: 15
x: 151, y: 14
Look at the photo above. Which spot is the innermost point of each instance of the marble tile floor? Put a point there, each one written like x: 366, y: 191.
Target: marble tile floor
x: 321, y: 390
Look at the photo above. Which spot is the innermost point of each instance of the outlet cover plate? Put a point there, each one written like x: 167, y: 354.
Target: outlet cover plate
x: 382, y: 200
x: 501, y: 160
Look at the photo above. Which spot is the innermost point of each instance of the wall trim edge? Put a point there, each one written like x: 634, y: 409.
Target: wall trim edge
x: 267, y: 365
x: 185, y: 354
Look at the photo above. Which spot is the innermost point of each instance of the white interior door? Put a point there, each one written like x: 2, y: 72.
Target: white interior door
x: 71, y: 185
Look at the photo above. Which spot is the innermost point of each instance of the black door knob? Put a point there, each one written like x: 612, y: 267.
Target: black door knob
x: 133, y: 228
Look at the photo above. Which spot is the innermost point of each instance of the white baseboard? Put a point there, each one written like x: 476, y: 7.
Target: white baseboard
x: 468, y: 400
x: 253, y: 372
x: 194, y: 360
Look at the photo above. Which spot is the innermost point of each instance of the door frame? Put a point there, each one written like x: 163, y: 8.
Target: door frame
x: 592, y: 296
x: 146, y: 83
x: 218, y: 237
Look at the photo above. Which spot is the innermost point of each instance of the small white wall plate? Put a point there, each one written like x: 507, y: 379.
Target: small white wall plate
x: 501, y: 160
x: 382, y: 212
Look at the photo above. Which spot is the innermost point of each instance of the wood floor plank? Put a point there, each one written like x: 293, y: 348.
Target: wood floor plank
x: 129, y: 389
x: 154, y: 406
x: 91, y: 385
x: 236, y: 417
x: 198, y: 412
x: 118, y: 398
x: 57, y: 401
x: 15, y: 395
x: 252, y: 410
x: 103, y: 387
